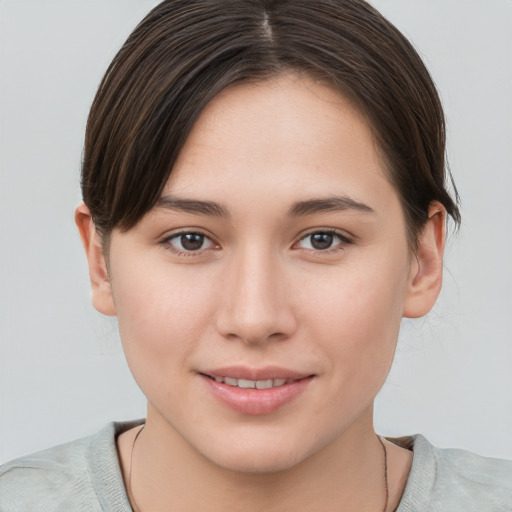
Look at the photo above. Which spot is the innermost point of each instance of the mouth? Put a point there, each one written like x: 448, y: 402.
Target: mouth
x: 251, y: 384
x: 256, y: 392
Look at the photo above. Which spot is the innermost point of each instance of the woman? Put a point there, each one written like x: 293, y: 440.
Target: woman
x: 264, y: 200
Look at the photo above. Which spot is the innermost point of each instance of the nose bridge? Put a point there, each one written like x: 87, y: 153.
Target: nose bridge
x: 254, y: 306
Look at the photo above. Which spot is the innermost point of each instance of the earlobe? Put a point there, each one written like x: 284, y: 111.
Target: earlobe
x: 102, y: 298
x: 426, y: 275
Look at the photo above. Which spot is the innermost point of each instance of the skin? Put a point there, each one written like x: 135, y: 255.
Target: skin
x: 258, y: 293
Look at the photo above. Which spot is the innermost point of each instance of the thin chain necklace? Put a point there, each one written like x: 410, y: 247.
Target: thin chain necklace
x: 386, y: 486
x: 136, y: 507
x: 129, y: 486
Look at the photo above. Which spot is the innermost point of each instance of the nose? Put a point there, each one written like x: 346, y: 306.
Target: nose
x: 255, y: 306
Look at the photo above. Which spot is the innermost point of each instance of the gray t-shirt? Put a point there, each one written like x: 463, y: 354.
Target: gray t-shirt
x: 84, y: 476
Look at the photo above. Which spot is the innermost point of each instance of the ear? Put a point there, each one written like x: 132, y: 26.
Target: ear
x: 426, y: 274
x: 102, y: 298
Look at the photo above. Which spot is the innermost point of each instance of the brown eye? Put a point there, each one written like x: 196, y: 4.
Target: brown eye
x: 323, y: 241
x: 192, y: 241
x: 189, y: 242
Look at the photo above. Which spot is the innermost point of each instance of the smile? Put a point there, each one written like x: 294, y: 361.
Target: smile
x: 255, y: 392
x: 252, y: 384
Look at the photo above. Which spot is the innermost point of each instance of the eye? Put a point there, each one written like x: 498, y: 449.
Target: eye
x: 323, y: 241
x: 188, y: 242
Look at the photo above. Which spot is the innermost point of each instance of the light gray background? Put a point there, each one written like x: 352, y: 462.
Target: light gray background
x: 62, y: 373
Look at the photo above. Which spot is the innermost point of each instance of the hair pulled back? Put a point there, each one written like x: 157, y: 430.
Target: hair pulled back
x: 186, y: 51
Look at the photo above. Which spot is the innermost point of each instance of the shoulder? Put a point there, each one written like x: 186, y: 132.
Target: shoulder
x: 455, y: 480
x: 76, y: 476
x: 46, y: 480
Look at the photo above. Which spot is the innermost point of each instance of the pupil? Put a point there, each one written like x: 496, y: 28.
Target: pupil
x: 192, y: 241
x: 322, y: 241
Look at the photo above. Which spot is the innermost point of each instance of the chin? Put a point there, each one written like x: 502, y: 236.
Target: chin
x: 269, y: 454
x: 258, y: 462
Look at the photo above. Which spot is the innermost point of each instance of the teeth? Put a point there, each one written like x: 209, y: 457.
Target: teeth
x: 246, y: 384
x: 264, y: 384
x: 252, y: 384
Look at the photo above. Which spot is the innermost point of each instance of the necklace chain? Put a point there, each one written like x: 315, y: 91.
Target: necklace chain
x: 386, y: 485
x: 136, y: 507
x: 129, y: 483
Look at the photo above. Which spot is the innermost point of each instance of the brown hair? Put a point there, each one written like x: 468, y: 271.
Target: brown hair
x: 186, y: 51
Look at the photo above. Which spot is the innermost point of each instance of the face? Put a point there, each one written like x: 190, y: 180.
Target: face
x: 259, y: 302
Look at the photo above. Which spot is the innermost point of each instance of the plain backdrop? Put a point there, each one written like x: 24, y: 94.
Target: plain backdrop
x: 62, y: 372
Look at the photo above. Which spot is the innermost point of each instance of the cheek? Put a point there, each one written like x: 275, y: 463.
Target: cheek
x: 162, y: 317
x: 359, y: 298
x: 356, y: 315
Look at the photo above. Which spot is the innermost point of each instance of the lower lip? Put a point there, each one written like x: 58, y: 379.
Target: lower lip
x: 256, y: 401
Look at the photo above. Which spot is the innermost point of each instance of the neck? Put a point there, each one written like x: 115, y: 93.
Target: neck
x: 347, y: 474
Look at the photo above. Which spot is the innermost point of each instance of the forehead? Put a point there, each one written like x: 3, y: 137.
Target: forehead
x: 289, y: 136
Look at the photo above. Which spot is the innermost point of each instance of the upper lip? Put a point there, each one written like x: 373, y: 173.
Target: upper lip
x: 265, y: 373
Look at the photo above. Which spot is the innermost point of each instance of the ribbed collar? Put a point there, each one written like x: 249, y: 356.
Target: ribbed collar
x: 107, y: 479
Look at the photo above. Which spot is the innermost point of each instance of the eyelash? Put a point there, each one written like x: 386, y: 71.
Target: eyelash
x: 167, y: 244
x: 343, y: 242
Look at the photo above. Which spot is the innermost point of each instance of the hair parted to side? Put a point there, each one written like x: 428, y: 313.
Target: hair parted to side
x: 186, y: 51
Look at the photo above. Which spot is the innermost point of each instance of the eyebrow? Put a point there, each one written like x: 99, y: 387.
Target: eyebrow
x: 328, y: 204
x: 195, y: 206
x: 309, y: 207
